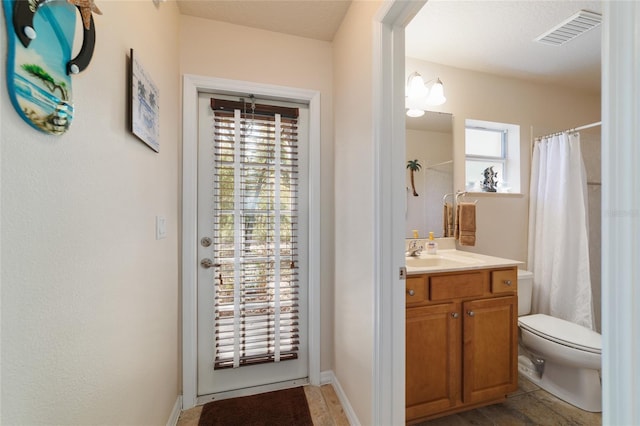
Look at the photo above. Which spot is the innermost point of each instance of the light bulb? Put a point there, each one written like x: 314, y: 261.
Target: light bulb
x: 415, y: 87
x: 415, y: 113
x: 436, y: 94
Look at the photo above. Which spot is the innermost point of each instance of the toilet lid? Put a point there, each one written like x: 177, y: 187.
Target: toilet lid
x: 563, y: 332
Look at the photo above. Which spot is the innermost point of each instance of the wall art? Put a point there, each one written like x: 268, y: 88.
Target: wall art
x: 145, y: 112
x: 40, y: 37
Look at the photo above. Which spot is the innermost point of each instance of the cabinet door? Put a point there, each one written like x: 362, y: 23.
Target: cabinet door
x: 490, y: 348
x: 416, y: 289
x: 432, y: 359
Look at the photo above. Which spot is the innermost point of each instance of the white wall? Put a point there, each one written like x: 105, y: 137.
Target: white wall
x: 218, y: 49
x: 89, y: 296
x: 591, y: 144
x: 354, y: 159
x: 502, y: 220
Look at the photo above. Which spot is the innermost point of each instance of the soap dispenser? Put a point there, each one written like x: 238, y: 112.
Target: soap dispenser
x: 432, y: 246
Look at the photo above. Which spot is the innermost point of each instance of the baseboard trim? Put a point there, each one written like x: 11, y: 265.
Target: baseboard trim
x: 328, y: 377
x: 175, y: 413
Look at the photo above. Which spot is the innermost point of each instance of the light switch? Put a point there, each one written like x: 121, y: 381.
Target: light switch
x: 161, y: 227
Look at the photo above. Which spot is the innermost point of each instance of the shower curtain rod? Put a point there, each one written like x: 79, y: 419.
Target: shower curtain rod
x: 587, y: 126
x: 575, y: 129
x: 439, y: 164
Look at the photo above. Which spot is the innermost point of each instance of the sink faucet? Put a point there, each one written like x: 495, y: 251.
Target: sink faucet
x: 414, y: 249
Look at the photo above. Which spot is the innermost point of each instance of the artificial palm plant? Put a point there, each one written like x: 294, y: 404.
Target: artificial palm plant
x: 413, y: 166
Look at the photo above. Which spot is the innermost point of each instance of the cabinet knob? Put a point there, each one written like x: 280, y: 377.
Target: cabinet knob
x: 454, y: 315
x: 411, y: 292
x: 471, y: 313
x: 507, y: 282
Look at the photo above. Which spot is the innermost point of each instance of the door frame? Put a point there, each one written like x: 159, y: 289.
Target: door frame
x: 619, y: 109
x: 388, y: 403
x: 620, y: 212
x: 192, y: 85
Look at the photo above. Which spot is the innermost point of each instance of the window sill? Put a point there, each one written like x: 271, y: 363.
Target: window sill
x: 491, y: 194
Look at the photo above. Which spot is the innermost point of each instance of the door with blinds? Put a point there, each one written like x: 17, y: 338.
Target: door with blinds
x: 252, y: 245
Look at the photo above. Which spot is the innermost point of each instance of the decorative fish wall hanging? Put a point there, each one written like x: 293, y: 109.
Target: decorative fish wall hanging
x: 40, y: 37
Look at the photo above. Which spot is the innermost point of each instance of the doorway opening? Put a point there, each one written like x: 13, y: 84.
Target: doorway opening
x: 193, y: 86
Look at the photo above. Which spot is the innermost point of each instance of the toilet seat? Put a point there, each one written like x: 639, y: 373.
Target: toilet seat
x: 563, y: 332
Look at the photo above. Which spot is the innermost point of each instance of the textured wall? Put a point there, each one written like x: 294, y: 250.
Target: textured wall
x: 354, y: 159
x: 591, y: 143
x: 89, y: 296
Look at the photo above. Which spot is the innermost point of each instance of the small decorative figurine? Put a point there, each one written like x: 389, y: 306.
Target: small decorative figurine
x: 490, y: 180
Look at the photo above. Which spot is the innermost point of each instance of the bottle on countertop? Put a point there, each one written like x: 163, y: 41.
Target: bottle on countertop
x: 432, y: 246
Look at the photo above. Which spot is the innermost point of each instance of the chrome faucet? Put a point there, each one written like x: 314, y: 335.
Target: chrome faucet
x: 414, y: 249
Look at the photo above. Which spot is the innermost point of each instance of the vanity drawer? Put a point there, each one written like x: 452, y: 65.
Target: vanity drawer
x: 505, y: 281
x: 416, y: 289
x: 444, y: 287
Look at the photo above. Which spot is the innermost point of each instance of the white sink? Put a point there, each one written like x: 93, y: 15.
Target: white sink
x: 454, y: 260
x: 439, y: 261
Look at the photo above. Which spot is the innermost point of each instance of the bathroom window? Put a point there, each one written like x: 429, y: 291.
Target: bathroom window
x: 492, y: 145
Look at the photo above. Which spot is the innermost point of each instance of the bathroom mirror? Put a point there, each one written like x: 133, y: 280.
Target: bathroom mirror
x: 429, y: 140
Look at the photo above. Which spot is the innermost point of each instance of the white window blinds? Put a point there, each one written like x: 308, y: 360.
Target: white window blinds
x: 255, y: 233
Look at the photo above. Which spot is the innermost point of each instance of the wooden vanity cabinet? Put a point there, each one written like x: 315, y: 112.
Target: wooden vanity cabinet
x: 461, y: 341
x: 433, y: 346
x: 490, y: 342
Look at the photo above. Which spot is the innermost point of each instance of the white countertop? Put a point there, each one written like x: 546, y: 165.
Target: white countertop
x: 454, y: 260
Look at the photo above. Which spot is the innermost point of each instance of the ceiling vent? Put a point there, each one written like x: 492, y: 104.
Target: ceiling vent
x: 576, y: 25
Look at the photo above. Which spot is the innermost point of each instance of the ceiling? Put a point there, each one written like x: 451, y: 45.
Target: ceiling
x: 431, y: 121
x: 493, y: 36
x: 316, y: 19
x: 497, y: 37
x: 490, y: 36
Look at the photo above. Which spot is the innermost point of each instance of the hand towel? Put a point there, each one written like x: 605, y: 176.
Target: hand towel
x: 448, y: 220
x: 456, y: 223
x: 467, y: 224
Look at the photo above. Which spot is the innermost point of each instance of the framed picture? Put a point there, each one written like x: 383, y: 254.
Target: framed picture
x: 145, y: 112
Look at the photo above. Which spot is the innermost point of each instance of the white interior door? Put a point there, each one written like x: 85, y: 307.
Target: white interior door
x: 252, y: 321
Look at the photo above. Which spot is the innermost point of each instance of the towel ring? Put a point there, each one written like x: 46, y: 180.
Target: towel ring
x: 463, y: 194
x: 460, y: 194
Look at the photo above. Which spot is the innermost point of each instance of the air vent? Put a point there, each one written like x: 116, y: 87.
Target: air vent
x: 578, y: 24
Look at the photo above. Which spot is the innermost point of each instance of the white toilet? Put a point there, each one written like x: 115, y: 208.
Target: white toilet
x: 561, y: 357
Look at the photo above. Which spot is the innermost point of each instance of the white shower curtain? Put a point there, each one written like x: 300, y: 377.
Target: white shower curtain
x: 558, y: 228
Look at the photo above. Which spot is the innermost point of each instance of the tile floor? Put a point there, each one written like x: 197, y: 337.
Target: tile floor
x: 530, y: 405
x: 324, y: 406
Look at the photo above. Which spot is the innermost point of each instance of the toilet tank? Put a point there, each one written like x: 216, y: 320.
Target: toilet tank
x: 525, y: 291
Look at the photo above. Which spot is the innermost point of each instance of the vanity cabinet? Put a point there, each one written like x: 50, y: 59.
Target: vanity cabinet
x: 461, y: 341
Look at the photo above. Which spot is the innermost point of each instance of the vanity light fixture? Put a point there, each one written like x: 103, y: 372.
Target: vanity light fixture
x: 419, y: 96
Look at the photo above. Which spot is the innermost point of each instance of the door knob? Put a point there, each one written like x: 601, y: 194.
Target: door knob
x: 208, y: 263
x: 471, y: 313
x: 411, y: 292
x: 454, y: 315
